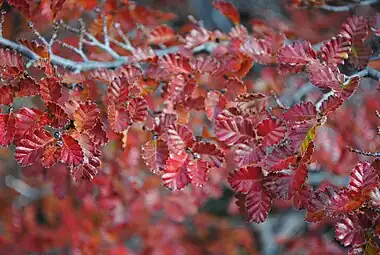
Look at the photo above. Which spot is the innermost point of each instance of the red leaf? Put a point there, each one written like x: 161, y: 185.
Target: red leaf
x: 300, y: 112
x: 58, y: 116
x: 180, y: 137
x: 252, y: 103
x: 175, y: 175
x: 7, y: 95
x: 72, y: 153
x: 375, y: 198
x: 155, y: 154
x: 259, y: 50
x: 280, y: 158
x: 39, y: 49
x: 197, y: 171
x: 348, y: 88
x: 31, y: 148
x: 175, y: 64
x: 272, y: 131
x: 355, y: 27
x: 228, y: 9
x: 363, y: 178
x: 284, y: 185
x: 118, y: 91
x: 86, y: 116
x: 11, y: 58
x: 51, y: 89
x: 235, y: 87
x: 210, y: 153
x: 234, y: 130
x: 318, y: 202
x: 98, y: 134
x: 349, y: 231
x: 205, y: 64
x: 22, y: 6
x: 295, y: 57
x: 246, y: 180
x: 28, y: 120
x: 298, y: 134
x: 331, y: 105
x: 336, y: 50
x: 302, y: 196
x: 163, y: 121
x: 215, y: 103
x: 175, y: 87
x: 324, y: 76
x: 360, y: 53
x: 118, y: 118
x: 56, y: 6
x: 258, y: 205
x: 137, y: 109
x: 51, y: 155
x: 343, y: 202
x: 160, y: 35
x: 26, y: 87
x: 7, y: 128
x: 86, y: 171
x: 197, y: 36
x: 247, y: 154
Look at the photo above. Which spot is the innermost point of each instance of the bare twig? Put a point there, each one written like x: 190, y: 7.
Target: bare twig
x: 368, y: 72
x: 365, y: 153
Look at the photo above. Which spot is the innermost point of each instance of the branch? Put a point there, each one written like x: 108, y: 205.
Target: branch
x: 365, y: 153
x: 89, y: 65
x: 348, y: 7
x: 368, y: 72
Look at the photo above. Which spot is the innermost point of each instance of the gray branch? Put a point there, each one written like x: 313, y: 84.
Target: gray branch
x: 89, y: 65
x: 348, y: 7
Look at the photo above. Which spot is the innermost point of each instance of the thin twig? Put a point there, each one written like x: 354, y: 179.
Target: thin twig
x: 365, y: 153
x: 2, y: 19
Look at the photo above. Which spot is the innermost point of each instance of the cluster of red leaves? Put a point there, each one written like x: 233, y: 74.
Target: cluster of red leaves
x: 271, y: 147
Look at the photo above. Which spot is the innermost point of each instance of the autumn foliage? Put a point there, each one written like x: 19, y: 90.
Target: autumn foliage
x: 124, y: 127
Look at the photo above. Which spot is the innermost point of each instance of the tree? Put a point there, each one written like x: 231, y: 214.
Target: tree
x: 123, y: 131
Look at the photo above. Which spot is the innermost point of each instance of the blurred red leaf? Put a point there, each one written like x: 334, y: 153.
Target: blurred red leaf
x: 228, y: 9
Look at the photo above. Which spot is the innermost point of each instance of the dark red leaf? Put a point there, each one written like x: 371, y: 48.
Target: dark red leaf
x: 295, y: 57
x: 234, y: 130
x: 363, y: 179
x: 336, y: 50
x: 247, y: 154
x: 245, y: 180
x: 349, y: 231
x: 7, y: 128
x: 300, y: 112
x: 31, y: 148
x: 271, y: 131
x: 209, y: 152
x: 72, y: 153
x: 51, y: 89
x: 58, y: 116
x: 7, y: 95
x: 258, y: 203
